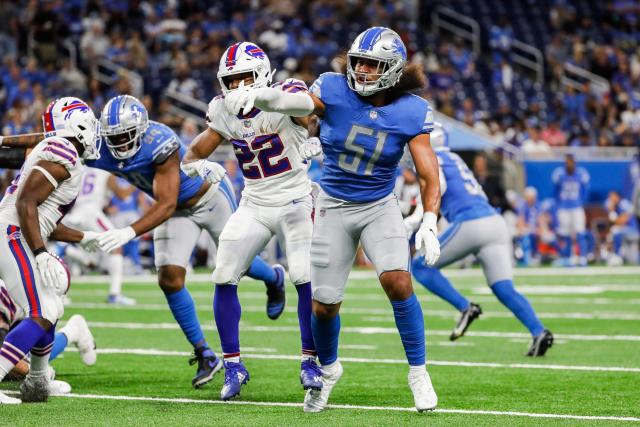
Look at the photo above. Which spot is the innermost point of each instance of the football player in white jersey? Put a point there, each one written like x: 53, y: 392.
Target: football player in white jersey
x: 30, y: 212
x: 87, y: 214
x: 272, y: 152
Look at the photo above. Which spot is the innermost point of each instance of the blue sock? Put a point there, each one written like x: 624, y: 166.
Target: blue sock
x: 565, y: 246
x: 18, y: 342
x: 227, y: 311
x: 518, y: 304
x: 410, y: 324
x: 583, y: 243
x: 59, y: 344
x: 325, y: 336
x: 304, y: 318
x: 432, y: 279
x: 260, y: 270
x: 617, y: 242
x: 42, y: 348
x: 184, y: 311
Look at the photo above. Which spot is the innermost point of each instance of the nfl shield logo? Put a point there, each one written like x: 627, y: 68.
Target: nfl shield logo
x: 247, y: 123
x: 373, y: 114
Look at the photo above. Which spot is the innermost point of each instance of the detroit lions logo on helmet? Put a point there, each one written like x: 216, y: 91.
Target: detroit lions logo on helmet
x: 398, y: 47
x: 254, y: 51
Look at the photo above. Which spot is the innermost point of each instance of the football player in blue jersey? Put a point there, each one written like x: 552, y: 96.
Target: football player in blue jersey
x: 367, y: 119
x: 474, y: 228
x: 571, y: 190
x: 147, y: 154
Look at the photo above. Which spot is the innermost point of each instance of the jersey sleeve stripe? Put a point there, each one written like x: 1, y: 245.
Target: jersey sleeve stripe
x: 61, y: 154
x: 294, y: 88
x: 63, y: 148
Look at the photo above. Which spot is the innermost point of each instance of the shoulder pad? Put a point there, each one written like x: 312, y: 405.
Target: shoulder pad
x: 59, y: 150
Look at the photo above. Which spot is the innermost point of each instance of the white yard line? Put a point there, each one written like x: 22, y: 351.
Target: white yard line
x: 375, y: 311
x: 369, y: 274
x: 361, y: 330
x: 346, y: 407
x: 155, y: 352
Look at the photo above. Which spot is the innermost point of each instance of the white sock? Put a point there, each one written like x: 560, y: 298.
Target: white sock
x: 115, y: 265
x: 39, y: 365
x: 5, y: 367
x: 330, y: 366
x: 234, y: 359
x: 417, y: 370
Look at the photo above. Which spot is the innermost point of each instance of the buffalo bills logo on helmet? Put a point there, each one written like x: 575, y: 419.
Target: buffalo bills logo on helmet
x: 75, y: 105
x: 254, y: 51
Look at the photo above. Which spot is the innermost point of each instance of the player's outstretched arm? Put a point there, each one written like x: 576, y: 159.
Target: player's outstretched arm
x: 427, y: 168
x: 294, y: 104
x: 195, y: 162
x: 27, y: 140
x: 166, y: 183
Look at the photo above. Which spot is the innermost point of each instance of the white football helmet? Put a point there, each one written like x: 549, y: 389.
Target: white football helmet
x: 384, y: 46
x: 123, y: 120
x: 245, y: 57
x: 72, y: 118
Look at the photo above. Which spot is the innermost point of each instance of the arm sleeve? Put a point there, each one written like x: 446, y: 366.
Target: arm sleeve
x: 288, y: 103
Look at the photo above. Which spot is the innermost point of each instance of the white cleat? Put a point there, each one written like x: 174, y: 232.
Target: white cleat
x: 59, y: 388
x: 424, y: 396
x: 121, y: 300
x: 316, y: 400
x: 6, y: 400
x: 83, y: 339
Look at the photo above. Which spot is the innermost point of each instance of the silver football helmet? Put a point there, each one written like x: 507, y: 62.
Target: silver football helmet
x: 124, y: 119
x: 381, y: 45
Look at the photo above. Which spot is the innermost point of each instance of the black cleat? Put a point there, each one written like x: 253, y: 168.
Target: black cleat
x: 541, y: 344
x: 276, y: 298
x: 208, y: 367
x: 466, y: 318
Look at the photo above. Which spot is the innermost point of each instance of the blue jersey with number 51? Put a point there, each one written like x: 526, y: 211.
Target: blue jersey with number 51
x: 462, y: 198
x: 363, y: 144
x: 158, y: 143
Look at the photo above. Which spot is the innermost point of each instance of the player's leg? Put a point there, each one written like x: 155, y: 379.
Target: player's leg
x: 564, y: 236
x: 76, y: 332
x: 579, y: 222
x: 296, y: 229
x: 244, y: 235
x: 333, y: 249
x: 115, y: 264
x: 384, y: 240
x: 174, y: 241
x: 212, y: 216
x: 41, y: 307
x: 495, y: 258
x: 456, y: 242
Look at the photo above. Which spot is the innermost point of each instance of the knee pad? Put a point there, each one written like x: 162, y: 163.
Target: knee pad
x: 299, y: 273
x: 326, y: 295
x: 225, y: 274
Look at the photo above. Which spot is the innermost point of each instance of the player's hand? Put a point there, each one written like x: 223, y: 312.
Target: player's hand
x: 310, y: 148
x: 240, y: 99
x: 113, y: 239
x: 89, y: 241
x: 52, y: 272
x: 212, y: 172
x: 427, y: 243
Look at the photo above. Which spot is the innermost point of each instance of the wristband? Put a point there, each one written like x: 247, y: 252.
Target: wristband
x: 39, y: 250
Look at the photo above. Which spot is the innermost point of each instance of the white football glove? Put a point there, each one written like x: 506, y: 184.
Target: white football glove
x: 113, y: 239
x: 89, y: 241
x: 212, y: 172
x: 240, y: 99
x: 427, y: 243
x: 52, y: 272
x: 310, y: 148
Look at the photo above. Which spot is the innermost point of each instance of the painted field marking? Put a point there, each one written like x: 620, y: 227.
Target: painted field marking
x: 155, y: 352
x: 369, y: 330
x: 346, y: 407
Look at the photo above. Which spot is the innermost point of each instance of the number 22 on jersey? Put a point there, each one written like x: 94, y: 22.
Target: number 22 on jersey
x: 265, y: 148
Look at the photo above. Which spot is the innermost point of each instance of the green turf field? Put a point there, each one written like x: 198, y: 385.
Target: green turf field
x: 142, y: 376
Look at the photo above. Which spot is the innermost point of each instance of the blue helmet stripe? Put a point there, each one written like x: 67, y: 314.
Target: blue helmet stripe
x: 370, y: 37
x: 113, y: 110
